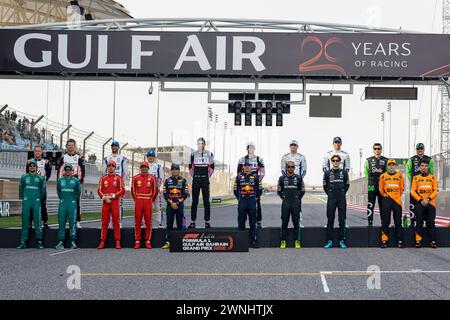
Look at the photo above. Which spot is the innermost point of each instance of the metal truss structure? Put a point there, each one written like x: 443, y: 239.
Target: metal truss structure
x: 445, y: 102
x: 216, y: 25
x: 39, y: 12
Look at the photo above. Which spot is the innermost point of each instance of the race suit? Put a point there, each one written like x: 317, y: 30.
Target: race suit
x: 391, y: 188
x: 298, y: 159
x: 247, y: 188
x: 111, y: 185
x: 31, y: 191
x: 291, y: 190
x: 144, y: 189
x: 373, y: 168
x: 413, y: 169
x: 175, y: 190
x: 44, y: 168
x: 425, y: 187
x: 201, y: 167
x: 345, y: 160
x: 157, y: 171
x: 69, y: 190
x: 336, y: 184
x: 78, y: 171
x: 257, y: 164
x: 121, y: 170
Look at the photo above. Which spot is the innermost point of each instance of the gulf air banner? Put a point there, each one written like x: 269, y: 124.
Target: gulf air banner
x: 93, y: 53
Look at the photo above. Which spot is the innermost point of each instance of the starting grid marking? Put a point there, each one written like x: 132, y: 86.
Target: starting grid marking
x: 259, y: 274
x: 61, y: 252
x: 320, y: 274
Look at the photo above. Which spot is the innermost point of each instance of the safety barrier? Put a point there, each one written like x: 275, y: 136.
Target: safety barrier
x: 88, y: 205
x: 13, y: 207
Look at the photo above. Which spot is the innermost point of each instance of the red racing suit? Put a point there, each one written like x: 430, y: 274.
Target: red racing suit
x: 111, y: 185
x: 144, y: 189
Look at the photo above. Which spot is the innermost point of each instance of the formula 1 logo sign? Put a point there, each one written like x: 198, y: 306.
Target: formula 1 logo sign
x: 207, y: 242
x: 221, y: 241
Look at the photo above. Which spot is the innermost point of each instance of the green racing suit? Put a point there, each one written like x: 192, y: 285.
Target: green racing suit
x: 69, y: 191
x: 31, y: 191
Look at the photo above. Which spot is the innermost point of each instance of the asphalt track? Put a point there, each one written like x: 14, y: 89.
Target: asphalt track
x: 260, y: 274
x: 314, y: 214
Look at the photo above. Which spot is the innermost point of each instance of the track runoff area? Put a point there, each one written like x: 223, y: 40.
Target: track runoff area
x: 266, y: 273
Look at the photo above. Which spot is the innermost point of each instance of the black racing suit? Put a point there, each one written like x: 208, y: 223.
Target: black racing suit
x: 44, y: 169
x: 373, y: 168
x: 247, y: 187
x: 336, y: 184
x: 201, y: 168
x: 291, y: 189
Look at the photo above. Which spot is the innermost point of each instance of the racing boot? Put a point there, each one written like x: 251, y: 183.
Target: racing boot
x: 39, y: 245
x: 60, y: 245
x: 400, y: 245
x: 342, y: 244
x: 118, y: 246
x: 283, y: 244
x: 433, y: 244
x: 255, y: 244
x: 22, y: 245
x: 148, y: 245
x: 101, y: 245
x: 207, y: 225
x: 73, y: 245
x: 192, y: 225
x: 297, y: 244
x: 329, y: 244
x: 383, y: 244
x: 166, y: 245
x: 418, y: 244
x: 137, y: 244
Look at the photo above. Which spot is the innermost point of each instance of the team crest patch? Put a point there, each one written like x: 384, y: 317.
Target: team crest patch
x: 105, y: 183
x: 139, y: 183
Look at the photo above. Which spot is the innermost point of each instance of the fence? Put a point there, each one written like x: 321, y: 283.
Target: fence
x: 442, y: 166
x: 94, y: 147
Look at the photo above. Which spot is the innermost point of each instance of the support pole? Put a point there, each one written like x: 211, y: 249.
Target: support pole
x: 84, y: 142
x: 103, y: 147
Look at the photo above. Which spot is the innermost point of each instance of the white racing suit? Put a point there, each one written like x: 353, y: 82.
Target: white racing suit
x: 345, y: 160
x: 157, y: 170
